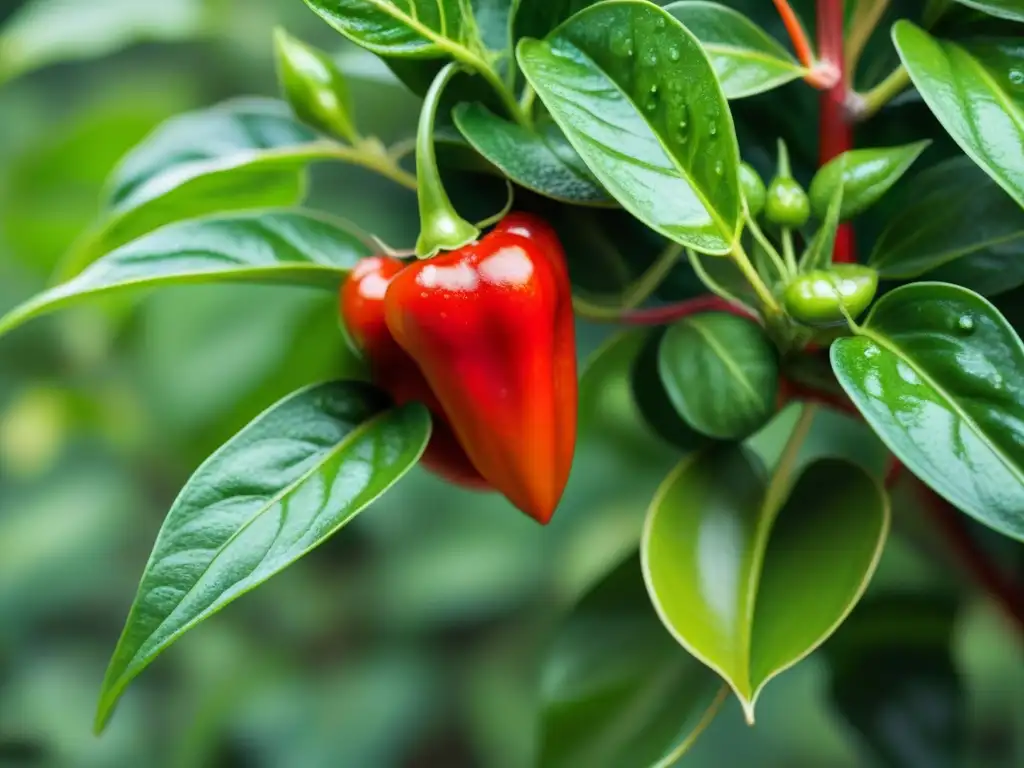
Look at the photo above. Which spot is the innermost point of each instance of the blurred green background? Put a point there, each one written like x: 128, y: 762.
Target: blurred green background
x: 412, y: 639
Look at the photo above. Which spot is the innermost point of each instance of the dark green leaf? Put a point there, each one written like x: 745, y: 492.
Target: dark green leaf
x: 314, y: 86
x: 1007, y: 9
x: 721, y: 372
x: 747, y: 60
x: 653, y: 401
x: 978, y: 102
x: 864, y: 174
x: 544, y: 162
x: 282, y: 486
x: 895, y: 681
x: 618, y: 690
x: 939, y: 374
x: 535, y: 18
x: 286, y: 247
x: 748, y: 582
x: 981, y: 247
x: 239, y: 155
x: 637, y: 97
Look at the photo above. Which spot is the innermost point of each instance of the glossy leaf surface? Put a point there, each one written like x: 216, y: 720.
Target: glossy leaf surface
x: 748, y: 582
x: 542, y: 161
x: 279, y: 488
x: 238, y: 155
x: 285, y: 247
x: 939, y: 374
x: 636, y: 96
x: 1007, y: 9
x: 981, y: 247
x: 864, y: 174
x: 895, y: 681
x: 721, y: 372
x: 974, y: 97
x: 617, y: 689
x: 416, y: 28
x: 747, y: 59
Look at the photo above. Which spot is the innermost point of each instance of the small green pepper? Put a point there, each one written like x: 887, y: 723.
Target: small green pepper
x: 753, y: 189
x: 787, y: 204
x: 818, y: 297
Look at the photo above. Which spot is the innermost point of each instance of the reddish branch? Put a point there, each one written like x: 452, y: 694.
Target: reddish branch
x: 673, y: 312
x: 835, y: 134
x: 951, y: 523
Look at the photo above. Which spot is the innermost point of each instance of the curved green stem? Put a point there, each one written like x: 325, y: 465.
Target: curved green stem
x: 865, y: 20
x: 740, y: 258
x: 440, y: 226
x: 713, y: 285
x: 648, y: 282
x: 788, y: 252
x: 869, y: 103
x: 379, y: 162
x: 766, y: 244
x: 486, y: 71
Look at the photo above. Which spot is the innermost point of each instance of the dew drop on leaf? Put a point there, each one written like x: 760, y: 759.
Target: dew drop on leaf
x: 719, y: 168
x: 651, y: 57
x: 712, y: 128
x: 965, y: 325
x: 1017, y: 77
x: 673, y: 53
x: 659, y: 23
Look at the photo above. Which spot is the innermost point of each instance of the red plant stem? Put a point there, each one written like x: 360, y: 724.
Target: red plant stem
x: 673, y: 312
x: 801, y: 45
x: 795, y: 390
x: 951, y: 524
x: 835, y: 134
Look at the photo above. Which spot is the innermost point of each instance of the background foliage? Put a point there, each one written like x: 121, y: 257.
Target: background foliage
x: 415, y: 639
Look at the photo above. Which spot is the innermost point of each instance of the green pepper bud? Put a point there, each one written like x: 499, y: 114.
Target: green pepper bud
x: 753, y: 189
x: 787, y: 204
x: 819, y: 297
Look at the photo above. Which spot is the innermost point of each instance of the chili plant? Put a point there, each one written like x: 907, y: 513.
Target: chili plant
x: 696, y: 168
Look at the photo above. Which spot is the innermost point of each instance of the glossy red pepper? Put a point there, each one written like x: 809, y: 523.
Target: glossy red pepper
x: 362, y: 307
x: 491, y: 328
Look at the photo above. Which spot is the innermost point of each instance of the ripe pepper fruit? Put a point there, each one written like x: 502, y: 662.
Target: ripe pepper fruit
x: 491, y: 327
x: 362, y: 308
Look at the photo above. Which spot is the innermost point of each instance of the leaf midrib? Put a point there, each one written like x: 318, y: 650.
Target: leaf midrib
x: 726, y: 359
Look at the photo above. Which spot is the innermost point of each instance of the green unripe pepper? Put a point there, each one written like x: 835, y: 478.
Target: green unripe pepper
x: 787, y: 204
x: 818, y: 297
x: 753, y: 189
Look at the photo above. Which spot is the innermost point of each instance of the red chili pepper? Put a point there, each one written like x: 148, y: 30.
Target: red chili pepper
x: 491, y: 327
x: 362, y: 307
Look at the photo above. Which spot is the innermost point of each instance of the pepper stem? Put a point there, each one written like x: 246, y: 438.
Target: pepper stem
x: 441, y: 228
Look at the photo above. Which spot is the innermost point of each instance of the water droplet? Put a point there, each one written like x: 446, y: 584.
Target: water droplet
x: 622, y: 43
x: 651, y: 57
x: 673, y: 53
x: 654, y: 88
x: 965, y: 325
x: 659, y: 23
x: 652, y: 103
x: 1017, y: 76
x: 719, y: 168
x: 712, y: 128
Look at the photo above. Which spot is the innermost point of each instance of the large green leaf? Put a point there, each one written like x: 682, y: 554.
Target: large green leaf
x: 617, y: 689
x: 749, y: 582
x: 539, y: 160
x: 282, y: 486
x: 44, y: 32
x: 864, y: 174
x: 535, y: 18
x: 721, y: 372
x: 939, y: 374
x: 242, y: 154
x: 1007, y: 9
x: 636, y: 96
x: 285, y: 247
x: 981, y: 247
x: 413, y: 28
x: 747, y: 59
x: 892, y: 663
x: 979, y: 102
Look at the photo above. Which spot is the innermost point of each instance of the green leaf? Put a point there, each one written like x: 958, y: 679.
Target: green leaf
x: 978, y: 104
x: 617, y: 690
x: 535, y: 18
x: 415, y: 28
x: 892, y: 662
x: 939, y: 374
x: 286, y: 247
x: 239, y: 155
x: 543, y: 162
x: 636, y: 96
x: 864, y: 174
x: 281, y: 487
x: 44, y: 32
x: 721, y: 372
x: 652, y: 398
x: 981, y: 247
x: 747, y: 59
x: 751, y: 585
x: 1007, y: 9
x: 314, y: 86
